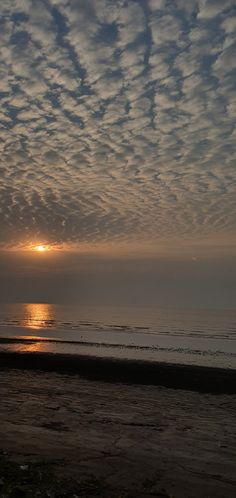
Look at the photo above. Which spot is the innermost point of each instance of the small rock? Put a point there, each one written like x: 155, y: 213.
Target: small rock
x: 24, y: 467
x: 53, y: 407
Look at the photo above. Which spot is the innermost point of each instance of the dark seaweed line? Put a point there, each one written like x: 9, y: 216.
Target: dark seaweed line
x: 191, y: 377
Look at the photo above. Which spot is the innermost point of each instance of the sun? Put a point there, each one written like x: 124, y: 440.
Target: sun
x: 41, y: 248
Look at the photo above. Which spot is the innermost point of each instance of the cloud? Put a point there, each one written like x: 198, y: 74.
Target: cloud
x: 117, y: 120
x: 212, y: 8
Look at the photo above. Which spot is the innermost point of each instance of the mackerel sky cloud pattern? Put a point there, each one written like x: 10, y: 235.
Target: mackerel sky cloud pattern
x: 117, y: 120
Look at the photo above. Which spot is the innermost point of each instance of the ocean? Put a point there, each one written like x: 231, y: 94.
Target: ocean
x: 182, y: 336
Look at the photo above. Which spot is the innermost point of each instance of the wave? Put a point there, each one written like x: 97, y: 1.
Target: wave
x: 83, y: 326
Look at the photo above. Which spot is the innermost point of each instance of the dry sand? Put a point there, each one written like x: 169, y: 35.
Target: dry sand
x: 150, y: 440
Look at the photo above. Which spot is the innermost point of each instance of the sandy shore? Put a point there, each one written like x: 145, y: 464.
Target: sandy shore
x: 143, y: 440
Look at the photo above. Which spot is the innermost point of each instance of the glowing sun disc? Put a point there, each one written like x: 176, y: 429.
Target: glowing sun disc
x: 41, y: 248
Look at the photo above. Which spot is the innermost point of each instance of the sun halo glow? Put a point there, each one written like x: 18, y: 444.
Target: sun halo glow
x: 41, y: 248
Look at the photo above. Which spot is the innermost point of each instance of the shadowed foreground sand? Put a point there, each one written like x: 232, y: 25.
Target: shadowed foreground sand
x: 144, y: 440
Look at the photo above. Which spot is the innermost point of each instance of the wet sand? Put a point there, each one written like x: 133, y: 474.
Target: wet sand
x: 171, y: 375
x: 144, y: 440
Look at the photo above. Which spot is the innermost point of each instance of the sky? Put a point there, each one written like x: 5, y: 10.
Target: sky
x: 117, y: 137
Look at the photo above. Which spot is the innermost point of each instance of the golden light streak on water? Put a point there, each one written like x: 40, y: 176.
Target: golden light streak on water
x: 38, y: 315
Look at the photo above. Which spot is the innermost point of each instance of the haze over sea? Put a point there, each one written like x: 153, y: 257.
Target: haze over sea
x: 184, y: 336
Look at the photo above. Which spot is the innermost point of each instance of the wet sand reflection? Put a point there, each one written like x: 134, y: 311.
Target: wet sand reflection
x: 28, y: 344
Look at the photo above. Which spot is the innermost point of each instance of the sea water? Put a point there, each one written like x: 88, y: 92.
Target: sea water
x: 184, y: 336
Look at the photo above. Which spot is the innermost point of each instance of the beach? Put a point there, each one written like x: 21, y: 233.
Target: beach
x: 117, y: 249
x: 140, y: 438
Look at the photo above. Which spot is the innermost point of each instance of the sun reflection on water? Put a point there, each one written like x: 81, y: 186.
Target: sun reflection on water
x: 38, y: 316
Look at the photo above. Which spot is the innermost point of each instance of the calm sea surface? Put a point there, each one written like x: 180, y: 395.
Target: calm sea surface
x: 203, y: 337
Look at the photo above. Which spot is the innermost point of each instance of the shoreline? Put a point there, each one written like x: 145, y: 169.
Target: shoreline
x: 202, y: 379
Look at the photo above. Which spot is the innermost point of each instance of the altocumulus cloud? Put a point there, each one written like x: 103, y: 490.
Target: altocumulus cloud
x: 117, y: 119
